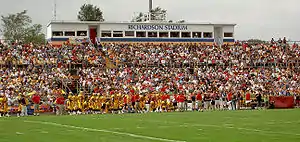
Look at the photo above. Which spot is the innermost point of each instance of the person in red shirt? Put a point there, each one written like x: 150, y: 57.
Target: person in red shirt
x: 60, y: 101
x: 137, y: 102
x: 132, y: 99
x: 199, y: 101
x: 36, y: 99
x: 248, y: 98
x: 181, y: 98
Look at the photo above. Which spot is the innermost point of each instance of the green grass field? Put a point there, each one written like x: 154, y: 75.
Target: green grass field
x: 226, y: 126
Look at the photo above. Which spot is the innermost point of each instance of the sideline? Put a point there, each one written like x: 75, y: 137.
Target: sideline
x: 105, y: 131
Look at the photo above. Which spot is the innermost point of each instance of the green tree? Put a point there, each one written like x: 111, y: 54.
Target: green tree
x: 18, y: 27
x: 34, y: 34
x: 89, y: 12
x: 14, y: 26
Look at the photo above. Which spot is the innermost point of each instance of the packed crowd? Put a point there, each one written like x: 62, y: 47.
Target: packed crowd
x: 159, y: 77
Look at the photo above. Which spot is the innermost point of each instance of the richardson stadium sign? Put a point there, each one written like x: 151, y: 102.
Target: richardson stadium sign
x: 158, y: 27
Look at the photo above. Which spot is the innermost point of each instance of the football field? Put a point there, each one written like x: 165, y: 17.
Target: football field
x: 217, y: 126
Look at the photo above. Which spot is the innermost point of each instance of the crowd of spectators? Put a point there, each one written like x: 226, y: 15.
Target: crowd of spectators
x: 268, y: 69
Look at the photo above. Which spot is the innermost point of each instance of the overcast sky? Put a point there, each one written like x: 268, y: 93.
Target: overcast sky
x: 261, y: 19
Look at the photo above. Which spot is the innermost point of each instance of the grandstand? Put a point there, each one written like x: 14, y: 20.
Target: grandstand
x: 152, y: 67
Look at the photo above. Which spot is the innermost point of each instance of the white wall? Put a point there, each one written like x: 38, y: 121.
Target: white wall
x: 49, y: 32
x: 228, y: 29
x: 69, y: 27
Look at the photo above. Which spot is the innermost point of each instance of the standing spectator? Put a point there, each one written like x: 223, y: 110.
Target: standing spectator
x: 272, y: 41
x: 60, y: 100
x: 36, y: 99
x: 193, y: 97
x: 207, y: 102
x: 279, y: 41
x: 284, y: 40
x: 185, y: 103
x: 266, y: 101
x: 233, y: 102
x: 259, y: 100
x: 199, y: 101
x: 181, y: 102
x: 23, y: 104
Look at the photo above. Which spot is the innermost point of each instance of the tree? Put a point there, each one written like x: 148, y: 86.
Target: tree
x: 158, y: 14
x: 139, y: 18
x: 15, y: 25
x: 181, y: 21
x: 34, y: 34
x: 89, y: 12
x: 18, y: 27
x: 255, y: 41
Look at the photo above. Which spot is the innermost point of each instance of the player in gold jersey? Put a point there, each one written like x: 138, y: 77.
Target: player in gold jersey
x: 91, y: 102
x: 143, y: 103
x: 80, y: 100
x: 74, y: 104
x: 2, y: 105
x: 69, y: 104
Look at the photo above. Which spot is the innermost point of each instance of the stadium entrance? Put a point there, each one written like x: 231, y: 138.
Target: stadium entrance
x: 93, y: 33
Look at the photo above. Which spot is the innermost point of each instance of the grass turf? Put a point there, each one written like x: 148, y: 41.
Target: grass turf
x: 225, y: 126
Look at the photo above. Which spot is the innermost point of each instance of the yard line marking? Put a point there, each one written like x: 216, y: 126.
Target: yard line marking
x: 163, y: 126
x: 116, y: 128
x: 282, y: 122
x: 217, y: 126
x: 105, y: 131
x: 227, y: 124
x: 44, y: 132
x: 19, y: 133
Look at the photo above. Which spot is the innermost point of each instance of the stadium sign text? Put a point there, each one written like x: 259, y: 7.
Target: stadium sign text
x: 158, y: 27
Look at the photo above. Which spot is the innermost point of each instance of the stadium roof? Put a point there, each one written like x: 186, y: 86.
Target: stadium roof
x: 127, y: 22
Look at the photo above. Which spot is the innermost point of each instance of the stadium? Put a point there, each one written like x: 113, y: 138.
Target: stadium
x: 148, y: 81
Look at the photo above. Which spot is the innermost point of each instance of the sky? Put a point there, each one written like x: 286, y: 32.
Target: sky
x: 259, y: 19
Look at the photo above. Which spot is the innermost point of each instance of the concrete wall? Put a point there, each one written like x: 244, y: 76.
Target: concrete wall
x: 228, y: 29
x: 49, y: 32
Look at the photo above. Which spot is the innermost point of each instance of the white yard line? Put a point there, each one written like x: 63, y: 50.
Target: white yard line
x: 19, y: 133
x: 44, y: 132
x: 227, y: 127
x: 105, y: 131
